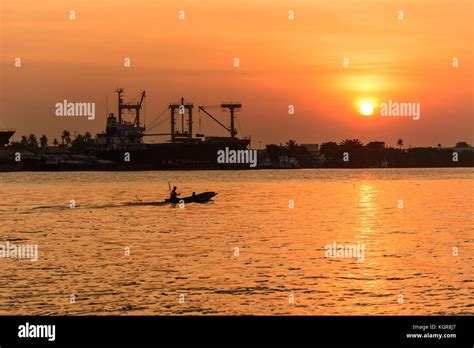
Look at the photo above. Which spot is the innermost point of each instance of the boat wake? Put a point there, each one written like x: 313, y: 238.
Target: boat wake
x: 100, y: 206
x: 202, y: 198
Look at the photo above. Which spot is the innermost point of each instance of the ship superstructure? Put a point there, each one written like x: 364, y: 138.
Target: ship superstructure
x: 122, y: 141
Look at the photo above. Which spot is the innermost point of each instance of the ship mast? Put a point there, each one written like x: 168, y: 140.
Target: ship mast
x: 182, y: 106
x: 129, y: 107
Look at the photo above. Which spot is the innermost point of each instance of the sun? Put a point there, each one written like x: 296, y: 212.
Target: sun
x: 366, y: 109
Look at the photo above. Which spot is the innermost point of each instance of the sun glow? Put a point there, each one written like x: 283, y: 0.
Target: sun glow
x: 366, y: 108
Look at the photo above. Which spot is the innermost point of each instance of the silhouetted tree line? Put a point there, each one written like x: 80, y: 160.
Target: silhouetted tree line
x: 349, y: 153
x: 352, y: 153
x: 290, y: 149
x: 79, y: 143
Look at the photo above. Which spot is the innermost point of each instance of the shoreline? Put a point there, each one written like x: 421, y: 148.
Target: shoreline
x: 221, y: 169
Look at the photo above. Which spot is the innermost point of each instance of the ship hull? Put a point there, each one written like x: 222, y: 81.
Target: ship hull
x: 171, y: 156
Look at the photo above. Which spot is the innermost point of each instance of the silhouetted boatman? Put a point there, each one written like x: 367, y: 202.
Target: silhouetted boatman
x: 174, y: 194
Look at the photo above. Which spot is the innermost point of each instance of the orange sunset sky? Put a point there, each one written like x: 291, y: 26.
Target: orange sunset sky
x: 282, y: 62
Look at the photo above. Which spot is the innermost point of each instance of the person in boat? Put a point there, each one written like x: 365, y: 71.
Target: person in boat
x: 173, y: 193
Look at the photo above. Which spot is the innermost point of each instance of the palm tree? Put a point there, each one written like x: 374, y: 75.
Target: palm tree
x: 87, y: 137
x: 55, y: 142
x: 355, y: 148
x: 24, y: 140
x: 44, y: 141
x: 329, y: 150
x: 32, y: 141
x: 291, y: 145
x: 400, y: 143
x: 66, y: 137
x: 351, y: 144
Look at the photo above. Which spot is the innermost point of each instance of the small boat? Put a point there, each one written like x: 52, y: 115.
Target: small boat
x: 199, y: 198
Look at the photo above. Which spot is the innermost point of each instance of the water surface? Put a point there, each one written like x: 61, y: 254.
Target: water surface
x: 185, y: 261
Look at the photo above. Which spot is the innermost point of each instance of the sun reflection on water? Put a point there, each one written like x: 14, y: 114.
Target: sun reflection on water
x: 367, y: 210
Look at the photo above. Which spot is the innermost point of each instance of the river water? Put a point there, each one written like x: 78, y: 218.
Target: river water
x: 259, y: 248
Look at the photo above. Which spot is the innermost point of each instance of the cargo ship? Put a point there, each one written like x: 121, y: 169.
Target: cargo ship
x: 123, y: 143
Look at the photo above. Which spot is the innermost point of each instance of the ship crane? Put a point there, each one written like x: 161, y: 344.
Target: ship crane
x: 129, y: 107
x: 232, y: 107
x: 155, y: 123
